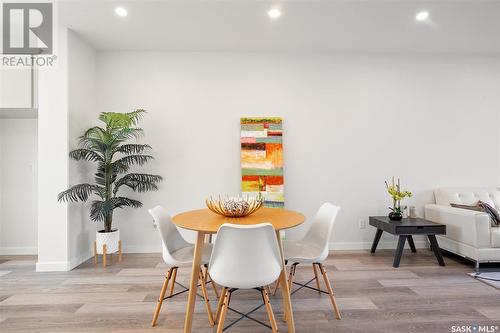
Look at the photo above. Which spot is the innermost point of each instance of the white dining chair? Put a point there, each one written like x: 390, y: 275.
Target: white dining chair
x: 178, y: 252
x: 313, y: 249
x: 245, y: 257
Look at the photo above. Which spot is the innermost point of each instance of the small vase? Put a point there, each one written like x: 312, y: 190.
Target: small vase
x: 394, y: 216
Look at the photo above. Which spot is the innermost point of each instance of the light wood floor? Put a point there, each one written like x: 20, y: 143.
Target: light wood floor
x: 374, y: 297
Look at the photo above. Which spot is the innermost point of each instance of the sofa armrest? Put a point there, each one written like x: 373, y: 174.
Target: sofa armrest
x: 462, y: 225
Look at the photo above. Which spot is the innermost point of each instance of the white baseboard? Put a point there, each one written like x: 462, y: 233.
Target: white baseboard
x: 419, y: 244
x: 142, y: 249
x: 24, y: 250
x: 53, y: 266
x: 63, y: 266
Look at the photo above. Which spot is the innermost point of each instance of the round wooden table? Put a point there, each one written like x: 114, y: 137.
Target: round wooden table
x: 204, y: 221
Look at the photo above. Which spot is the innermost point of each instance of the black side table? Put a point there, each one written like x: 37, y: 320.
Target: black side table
x: 405, y: 229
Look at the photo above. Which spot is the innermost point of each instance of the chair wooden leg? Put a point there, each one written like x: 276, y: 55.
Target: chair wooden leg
x: 268, y: 289
x: 172, y: 285
x: 205, y: 296
x: 212, y: 282
x: 95, y: 253
x: 219, y: 305
x: 120, y: 251
x: 104, y: 255
x: 291, y: 276
x: 330, y: 291
x: 316, y: 277
x: 265, y: 297
x: 225, y: 304
x: 162, y: 295
x: 276, y: 287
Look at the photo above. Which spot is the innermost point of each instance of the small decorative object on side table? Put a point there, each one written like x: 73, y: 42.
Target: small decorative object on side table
x: 405, y: 229
x: 397, y: 195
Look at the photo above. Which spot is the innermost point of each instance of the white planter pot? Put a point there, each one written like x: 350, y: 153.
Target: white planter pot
x: 111, y: 239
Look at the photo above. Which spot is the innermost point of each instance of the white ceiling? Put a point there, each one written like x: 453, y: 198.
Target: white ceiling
x: 455, y: 26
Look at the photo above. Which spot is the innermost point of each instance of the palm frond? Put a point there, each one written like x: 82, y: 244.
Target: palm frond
x: 95, y: 132
x: 119, y: 167
x: 121, y: 120
x: 120, y: 202
x: 86, y: 155
x: 127, y: 134
x: 99, y: 209
x: 93, y: 144
x: 100, y: 175
x: 130, y: 160
x: 80, y: 192
x: 138, y: 182
x: 136, y: 115
x: 133, y: 148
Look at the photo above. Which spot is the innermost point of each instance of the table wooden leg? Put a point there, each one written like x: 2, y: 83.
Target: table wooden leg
x: 285, y: 291
x: 193, y: 283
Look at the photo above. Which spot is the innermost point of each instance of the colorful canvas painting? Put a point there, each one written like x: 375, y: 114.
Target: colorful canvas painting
x: 262, y: 159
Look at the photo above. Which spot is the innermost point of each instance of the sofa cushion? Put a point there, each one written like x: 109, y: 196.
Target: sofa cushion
x: 468, y: 196
x: 495, y: 237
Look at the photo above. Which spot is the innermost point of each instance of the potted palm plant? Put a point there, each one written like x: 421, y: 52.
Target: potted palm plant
x: 110, y: 147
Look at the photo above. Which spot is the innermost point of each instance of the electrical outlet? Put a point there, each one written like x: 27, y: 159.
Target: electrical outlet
x: 362, y: 224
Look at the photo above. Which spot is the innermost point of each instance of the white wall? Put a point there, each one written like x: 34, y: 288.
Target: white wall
x: 53, y: 249
x: 15, y: 88
x: 18, y: 186
x: 350, y: 122
x: 82, y: 109
x: 67, y: 105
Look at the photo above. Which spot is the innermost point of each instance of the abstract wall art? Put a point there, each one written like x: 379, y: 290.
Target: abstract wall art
x: 262, y: 159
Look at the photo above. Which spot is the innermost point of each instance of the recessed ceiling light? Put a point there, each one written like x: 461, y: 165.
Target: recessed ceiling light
x: 120, y: 11
x: 274, y: 13
x: 422, y: 16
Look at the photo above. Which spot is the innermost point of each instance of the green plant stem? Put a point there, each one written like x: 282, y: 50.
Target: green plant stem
x: 108, y: 222
x: 108, y: 219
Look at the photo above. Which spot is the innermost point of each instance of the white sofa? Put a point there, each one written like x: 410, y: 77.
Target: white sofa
x: 468, y: 233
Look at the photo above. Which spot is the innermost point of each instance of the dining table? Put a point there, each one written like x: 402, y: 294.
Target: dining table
x: 205, y: 222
